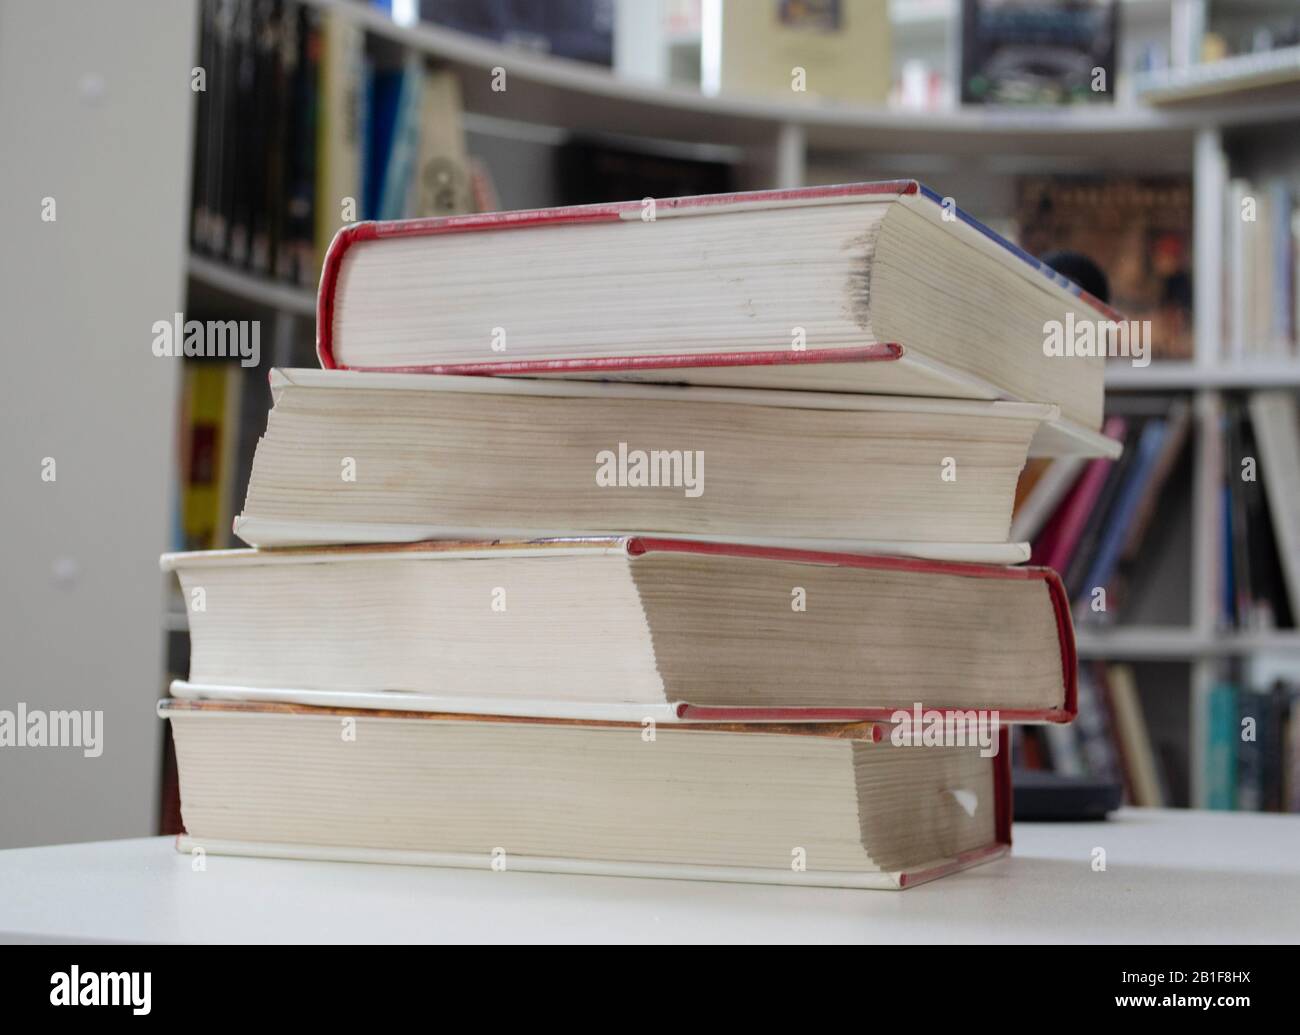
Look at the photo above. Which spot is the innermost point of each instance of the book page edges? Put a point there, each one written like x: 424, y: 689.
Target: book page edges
x: 280, y: 534
x: 885, y: 881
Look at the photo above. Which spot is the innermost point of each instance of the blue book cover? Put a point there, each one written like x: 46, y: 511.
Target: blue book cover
x: 1150, y: 442
x: 1221, y: 732
x: 1250, y: 750
x: 399, y: 170
x: 382, y: 104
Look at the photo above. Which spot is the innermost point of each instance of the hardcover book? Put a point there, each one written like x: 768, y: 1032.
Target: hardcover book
x: 874, y: 287
x: 840, y: 805
x: 626, y: 628
x: 351, y: 457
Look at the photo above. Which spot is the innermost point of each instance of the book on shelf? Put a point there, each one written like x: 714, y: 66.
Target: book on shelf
x: 837, y: 50
x: 1138, y: 230
x: 1038, y: 51
x: 726, y: 802
x: 1062, y: 531
x: 1142, y: 779
x: 211, y: 405
x: 875, y: 287
x: 1113, y: 740
x: 1039, y: 499
x: 1275, y: 424
x: 1261, y: 278
x: 1257, y: 478
x: 341, y: 129
x: 1251, y: 747
x: 628, y: 627
x: 588, y: 171
x: 300, y: 130
x: 579, y: 30
x: 1097, y: 523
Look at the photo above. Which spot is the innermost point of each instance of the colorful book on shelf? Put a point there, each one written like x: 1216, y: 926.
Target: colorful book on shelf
x: 873, y: 287
x: 801, y: 51
x: 1115, y: 527
x: 1138, y: 231
x: 1222, y: 734
x: 368, y: 457
x: 1099, y: 518
x: 1060, y: 537
x: 210, y: 414
x: 1036, y: 502
x: 1275, y: 424
x: 444, y: 176
x: 628, y: 627
x: 839, y: 805
x: 1135, y: 748
x: 341, y: 126
x: 1038, y: 52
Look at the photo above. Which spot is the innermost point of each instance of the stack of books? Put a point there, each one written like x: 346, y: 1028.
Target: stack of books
x: 708, y: 577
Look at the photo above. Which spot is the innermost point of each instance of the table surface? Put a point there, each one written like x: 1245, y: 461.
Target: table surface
x: 1170, y: 876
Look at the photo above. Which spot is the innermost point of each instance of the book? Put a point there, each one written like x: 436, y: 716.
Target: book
x: 1062, y: 533
x: 1041, y: 500
x: 831, y: 805
x: 1275, y: 420
x: 1038, y: 51
x: 876, y: 287
x: 1252, y: 706
x: 801, y: 50
x: 580, y: 30
x: 1113, y: 531
x: 1097, y: 519
x: 1223, y: 734
x: 1141, y: 774
x: 209, y: 438
x: 341, y: 126
x: 593, y: 170
x: 625, y: 628
x: 444, y: 179
x: 356, y: 457
x: 1138, y: 230
x: 295, y: 262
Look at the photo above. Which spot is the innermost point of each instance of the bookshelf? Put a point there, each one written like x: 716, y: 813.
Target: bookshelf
x: 1190, y: 120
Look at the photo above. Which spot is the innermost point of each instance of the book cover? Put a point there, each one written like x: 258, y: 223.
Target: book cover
x: 1038, y: 51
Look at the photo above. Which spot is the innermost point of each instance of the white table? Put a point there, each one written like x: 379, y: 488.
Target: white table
x: 1170, y: 876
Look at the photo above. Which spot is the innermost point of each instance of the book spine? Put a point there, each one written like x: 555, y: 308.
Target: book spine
x: 1221, y: 748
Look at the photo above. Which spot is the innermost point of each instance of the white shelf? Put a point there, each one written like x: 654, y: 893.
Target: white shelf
x: 583, y: 98
x: 1178, y: 374
x: 250, y: 287
x: 1241, y: 78
x: 1172, y: 876
x: 1178, y: 644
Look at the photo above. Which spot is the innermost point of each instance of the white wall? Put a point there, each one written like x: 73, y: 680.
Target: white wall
x: 95, y: 108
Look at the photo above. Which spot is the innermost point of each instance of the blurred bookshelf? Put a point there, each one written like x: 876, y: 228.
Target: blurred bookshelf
x: 1202, y: 102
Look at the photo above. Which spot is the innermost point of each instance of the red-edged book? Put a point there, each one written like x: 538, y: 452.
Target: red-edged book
x: 628, y: 628
x: 838, y: 804
x: 882, y: 288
